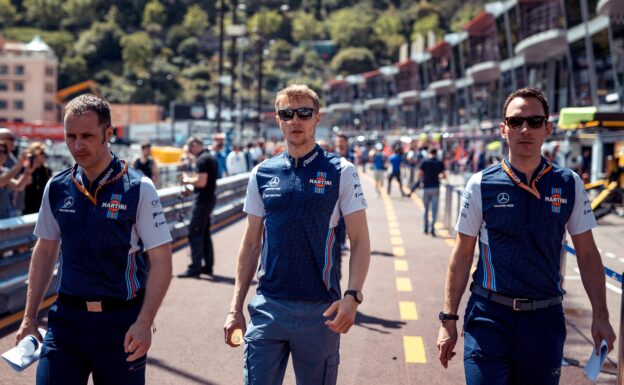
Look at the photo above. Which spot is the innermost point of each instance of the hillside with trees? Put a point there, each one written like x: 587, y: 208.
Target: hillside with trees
x: 155, y: 51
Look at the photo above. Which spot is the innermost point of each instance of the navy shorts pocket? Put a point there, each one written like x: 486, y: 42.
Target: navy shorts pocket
x: 331, y: 369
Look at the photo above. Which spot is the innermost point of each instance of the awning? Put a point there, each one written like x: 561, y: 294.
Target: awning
x: 573, y: 117
x: 586, y: 117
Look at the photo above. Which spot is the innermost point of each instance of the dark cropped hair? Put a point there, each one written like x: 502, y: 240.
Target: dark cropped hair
x: 526, y: 92
x: 89, y: 102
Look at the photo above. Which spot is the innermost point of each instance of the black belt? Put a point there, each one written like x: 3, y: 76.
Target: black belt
x: 101, y: 305
x: 518, y: 304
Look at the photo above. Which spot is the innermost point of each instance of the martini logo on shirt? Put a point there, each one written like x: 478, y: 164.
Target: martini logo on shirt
x: 114, y: 206
x: 320, y: 182
x: 556, y: 200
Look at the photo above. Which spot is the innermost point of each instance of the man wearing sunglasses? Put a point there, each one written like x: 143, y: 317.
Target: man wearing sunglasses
x: 294, y: 201
x: 520, y: 210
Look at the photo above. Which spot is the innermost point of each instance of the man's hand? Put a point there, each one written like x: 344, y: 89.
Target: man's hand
x: 138, y: 340
x: 345, y: 310
x: 28, y: 327
x: 447, y: 338
x: 601, y: 330
x: 235, y: 320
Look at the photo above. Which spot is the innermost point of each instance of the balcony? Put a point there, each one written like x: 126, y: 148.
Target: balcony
x: 376, y: 103
x: 409, y: 97
x: 484, y: 72
x: 542, y: 35
x: 610, y: 8
x: 442, y: 87
x: 337, y: 107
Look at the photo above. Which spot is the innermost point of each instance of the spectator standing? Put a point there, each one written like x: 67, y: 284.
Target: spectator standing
x: 429, y: 175
x: 147, y: 165
x: 204, y: 184
x: 10, y: 182
x: 379, y: 166
x: 396, y: 160
x: 236, y: 161
x: 40, y: 176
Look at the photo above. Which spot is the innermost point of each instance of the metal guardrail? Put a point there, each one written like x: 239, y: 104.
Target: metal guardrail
x: 17, y: 239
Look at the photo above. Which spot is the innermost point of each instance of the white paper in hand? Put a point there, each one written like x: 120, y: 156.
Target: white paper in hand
x: 595, y: 362
x: 15, y: 359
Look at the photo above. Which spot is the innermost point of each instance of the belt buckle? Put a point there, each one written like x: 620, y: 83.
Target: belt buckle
x: 517, y: 301
x: 94, y: 307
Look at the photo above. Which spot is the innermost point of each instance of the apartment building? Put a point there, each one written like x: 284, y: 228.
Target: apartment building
x: 572, y: 49
x: 28, y: 82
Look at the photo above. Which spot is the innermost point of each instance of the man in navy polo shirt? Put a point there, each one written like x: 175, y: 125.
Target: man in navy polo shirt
x: 103, y: 215
x: 294, y: 201
x: 520, y: 209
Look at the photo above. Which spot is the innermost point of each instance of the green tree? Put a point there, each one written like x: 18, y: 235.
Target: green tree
x: 353, y: 61
x: 137, y: 53
x: 266, y: 23
x: 44, y: 13
x: 72, y: 70
x: 388, y: 30
x: 306, y: 27
x: 100, y: 43
x: 189, y: 48
x: 8, y: 13
x: 78, y: 13
x: 196, y: 20
x: 154, y: 16
x: 350, y: 27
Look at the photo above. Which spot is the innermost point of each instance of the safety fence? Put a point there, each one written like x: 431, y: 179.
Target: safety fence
x: 17, y: 239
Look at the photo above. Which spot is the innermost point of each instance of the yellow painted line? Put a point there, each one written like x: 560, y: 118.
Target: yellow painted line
x: 13, y: 318
x: 414, y: 350
x: 408, y: 311
x: 400, y: 265
x: 393, y: 225
x: 391, y: 218
x: 450, y: 242
x: 395, y: 232
x: 396, y: 241
x: 403, y: 284
x: 398, y: 251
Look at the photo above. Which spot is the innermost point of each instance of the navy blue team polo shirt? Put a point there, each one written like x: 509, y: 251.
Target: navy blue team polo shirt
x: 301, y: 201
x: 103, y: 227
x: 522, y: 226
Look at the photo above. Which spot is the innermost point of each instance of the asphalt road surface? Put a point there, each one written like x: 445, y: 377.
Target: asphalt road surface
x: 394, y: 339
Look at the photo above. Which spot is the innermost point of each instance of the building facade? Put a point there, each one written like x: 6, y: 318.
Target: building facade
x: 28, y: 82
x: 572, y: 49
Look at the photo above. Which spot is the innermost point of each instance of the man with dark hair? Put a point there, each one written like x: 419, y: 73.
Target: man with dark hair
x: 294, y: 201
x: 521, y: 208
x: 103, y: 216
x: 203, y: 182
x: 147, y: 165
x: 429, y: 174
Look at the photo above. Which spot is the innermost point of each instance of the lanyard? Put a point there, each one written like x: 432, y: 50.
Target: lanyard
x: 533, y: 188
x: 85, y: 192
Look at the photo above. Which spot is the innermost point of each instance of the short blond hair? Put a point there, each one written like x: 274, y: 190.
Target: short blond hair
x: 295, y: 91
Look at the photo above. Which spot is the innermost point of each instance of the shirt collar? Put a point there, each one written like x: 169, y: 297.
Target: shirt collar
x: 306, y: 159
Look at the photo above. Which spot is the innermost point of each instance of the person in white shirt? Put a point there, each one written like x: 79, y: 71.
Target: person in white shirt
x: 236, y: 162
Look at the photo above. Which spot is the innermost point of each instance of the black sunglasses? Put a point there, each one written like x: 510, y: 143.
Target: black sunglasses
x: 534, y: 122
x: 304, y: 113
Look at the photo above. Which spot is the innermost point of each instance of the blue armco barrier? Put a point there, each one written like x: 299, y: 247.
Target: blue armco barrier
x: 608, y: 272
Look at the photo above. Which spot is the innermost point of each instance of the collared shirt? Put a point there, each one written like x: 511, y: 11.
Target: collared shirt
x: 301, y: 201
x: 103, y: 226
x: 522, y: 226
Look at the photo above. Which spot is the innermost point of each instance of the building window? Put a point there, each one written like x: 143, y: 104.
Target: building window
x: 18, y: 120
x: 3, y: 104
x: 591, y: 8
x: 503, y: 50
x: 19, y: 70
x: 4, y: 69
x: 580, y: 73
x: 4, y: 86
x: 48, y: 106
x: 49, y: 88
x: 605, y: 76
x: 49, y: 71
x: 573, y: 13
x: 18, y: 86
x: 18, y: 104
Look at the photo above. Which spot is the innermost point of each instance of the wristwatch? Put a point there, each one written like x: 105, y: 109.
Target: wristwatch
x: 356, y: 294
x: 447, y: 317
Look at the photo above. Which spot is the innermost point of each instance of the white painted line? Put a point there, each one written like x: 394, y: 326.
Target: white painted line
x: 613, y: 288
x: 609, y: 255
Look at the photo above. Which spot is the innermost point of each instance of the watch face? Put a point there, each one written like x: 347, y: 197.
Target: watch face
x: 359, y: 296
